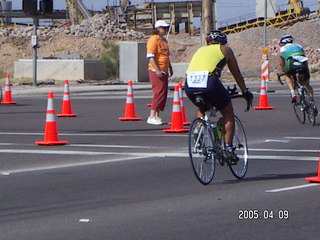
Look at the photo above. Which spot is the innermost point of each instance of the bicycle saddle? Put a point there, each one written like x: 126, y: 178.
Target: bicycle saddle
x: 201, y: 102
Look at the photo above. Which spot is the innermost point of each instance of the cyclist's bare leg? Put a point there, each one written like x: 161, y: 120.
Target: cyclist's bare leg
x: 200, y: 113
x: 306, y: 83
x: 289, y: 82
x: 228, y: 118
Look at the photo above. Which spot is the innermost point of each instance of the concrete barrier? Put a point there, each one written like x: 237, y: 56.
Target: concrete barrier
x: 133, y: 62
x: 179, y: 71
x: 61, y: 69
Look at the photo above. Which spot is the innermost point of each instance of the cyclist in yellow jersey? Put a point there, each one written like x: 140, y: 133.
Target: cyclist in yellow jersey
x: 209, y: 61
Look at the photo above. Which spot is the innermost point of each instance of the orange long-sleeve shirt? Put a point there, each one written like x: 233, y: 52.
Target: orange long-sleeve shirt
x: 158, y: 48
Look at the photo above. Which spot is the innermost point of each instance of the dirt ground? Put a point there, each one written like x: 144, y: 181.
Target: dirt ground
x: 247, y: 47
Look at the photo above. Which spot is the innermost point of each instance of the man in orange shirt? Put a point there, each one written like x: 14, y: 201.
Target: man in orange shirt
x: 160, y: 70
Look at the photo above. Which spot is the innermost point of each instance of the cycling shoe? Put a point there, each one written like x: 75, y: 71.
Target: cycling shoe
x: 230, y: 156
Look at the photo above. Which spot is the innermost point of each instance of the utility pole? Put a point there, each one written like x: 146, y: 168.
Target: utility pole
x: 206, y: 19
x: 31, y: 8
x: 265, y: 24
x: 34, y: 44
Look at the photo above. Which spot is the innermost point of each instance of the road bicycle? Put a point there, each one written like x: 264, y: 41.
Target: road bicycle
x: 207, y: 147
x: 304, y: 105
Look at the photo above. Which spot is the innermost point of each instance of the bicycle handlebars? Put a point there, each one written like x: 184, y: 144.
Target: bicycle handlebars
x: 279, y: 77
x: 233, y: 93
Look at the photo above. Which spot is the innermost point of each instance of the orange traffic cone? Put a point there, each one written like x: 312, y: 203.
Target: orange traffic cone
x: 129, y: 113
x: 263, y: 101
x: 7, y: 92
x: 176, y: 121
x: 66, y: 103
x: 317, y: 178
x: 50, y: 133
x: 183, y: 110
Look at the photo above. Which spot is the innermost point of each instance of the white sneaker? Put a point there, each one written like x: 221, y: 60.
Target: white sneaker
x: 159, y: 119
x: 154, y: 121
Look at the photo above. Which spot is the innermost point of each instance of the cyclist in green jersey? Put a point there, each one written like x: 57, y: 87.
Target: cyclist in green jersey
x: 292, y: 58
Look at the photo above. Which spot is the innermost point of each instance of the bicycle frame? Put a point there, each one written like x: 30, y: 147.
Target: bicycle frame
x: 303, y: 105
x: 218, y: 145
x: 207, y: 148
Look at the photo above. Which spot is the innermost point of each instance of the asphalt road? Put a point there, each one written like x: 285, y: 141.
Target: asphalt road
x: 129, y: 180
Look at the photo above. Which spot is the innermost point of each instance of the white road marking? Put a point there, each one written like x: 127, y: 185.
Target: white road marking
x: 95, y: 146
x: 87, y: 153
x: 162, y: 147
x: 277, y: 141
x: 113, y: 146
x: 125, y: 157
x: 54, y: 152
x: 84, y: 220
x: 273, y: 157
x: 50, y: 167
x: 146, y: 154
x: 154, y: 152
x: 8, y: 144
x: 282, y: 150
x: 97, y: 134
x: 292, y: 188
x: 304, y: 138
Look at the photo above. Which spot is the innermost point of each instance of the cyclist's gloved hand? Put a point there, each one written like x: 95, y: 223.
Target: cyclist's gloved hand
x: 249, y: 97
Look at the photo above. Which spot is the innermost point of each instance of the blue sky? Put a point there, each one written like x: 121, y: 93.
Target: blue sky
x: 227, y: 9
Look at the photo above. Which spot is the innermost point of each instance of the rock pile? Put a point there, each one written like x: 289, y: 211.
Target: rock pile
x: 87, y: 38
x: 102, y: 26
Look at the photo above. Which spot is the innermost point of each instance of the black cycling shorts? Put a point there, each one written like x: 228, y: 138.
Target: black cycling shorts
x: 298, y: 68
x: 215, y: 93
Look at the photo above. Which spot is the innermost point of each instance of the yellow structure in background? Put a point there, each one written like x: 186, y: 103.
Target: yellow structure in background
x: 294, y: 13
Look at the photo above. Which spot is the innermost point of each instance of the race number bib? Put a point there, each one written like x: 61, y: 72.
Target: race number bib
x: 197, y: 79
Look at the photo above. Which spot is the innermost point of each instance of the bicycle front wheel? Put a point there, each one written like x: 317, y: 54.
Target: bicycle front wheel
x: 299, y: 107
x: 239, y: 170
x: 201, y: 151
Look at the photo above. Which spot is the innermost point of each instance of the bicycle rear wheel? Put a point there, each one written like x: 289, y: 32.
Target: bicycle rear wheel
x: 310, y: 109
x: 299, y: 107
x: 201, y: 151
x: 240, y: 142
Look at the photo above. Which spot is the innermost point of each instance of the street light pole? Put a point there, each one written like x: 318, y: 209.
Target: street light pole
x: 34, y: 43
x: 265, y: 24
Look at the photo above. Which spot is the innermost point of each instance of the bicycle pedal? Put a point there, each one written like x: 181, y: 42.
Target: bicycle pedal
x: 232, y: 162
x: 315, y: 112
x: 221, y: 161
x: 230, y: 158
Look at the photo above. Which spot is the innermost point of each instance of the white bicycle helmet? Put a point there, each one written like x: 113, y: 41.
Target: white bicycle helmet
x: 217, y: 36
x: 286, y: 39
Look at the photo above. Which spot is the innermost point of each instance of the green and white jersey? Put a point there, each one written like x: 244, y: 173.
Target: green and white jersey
x: 292, y: 51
